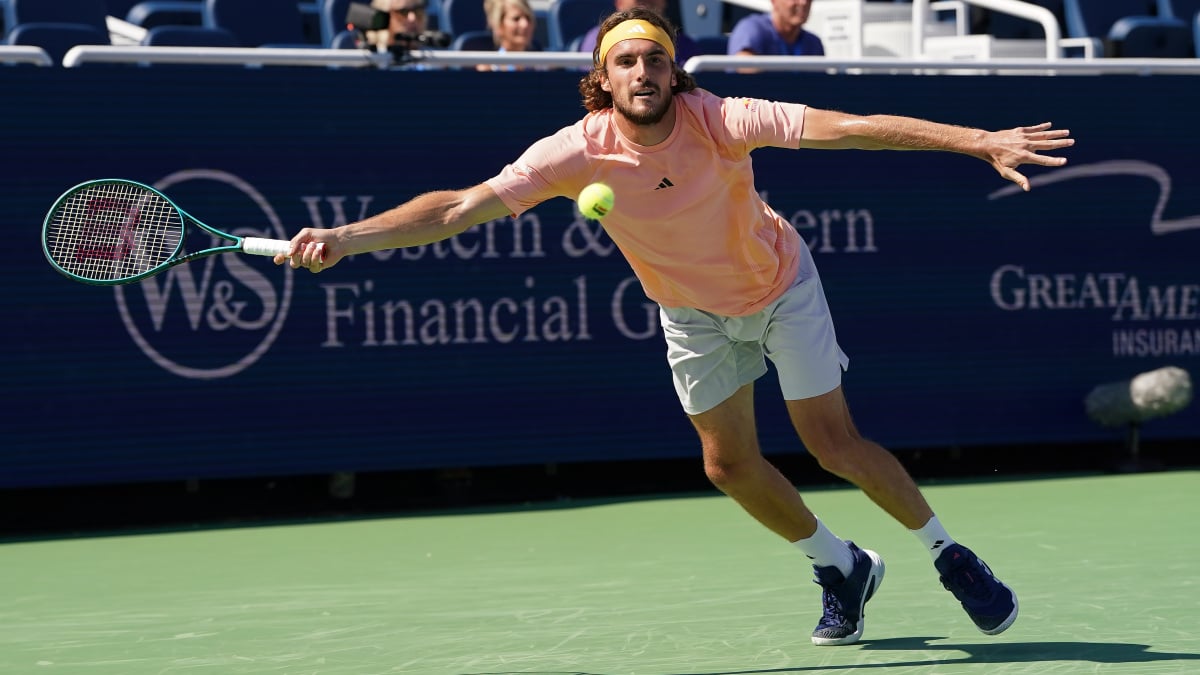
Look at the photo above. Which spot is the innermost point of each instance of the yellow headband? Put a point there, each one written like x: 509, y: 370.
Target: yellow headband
x: 635, y: 29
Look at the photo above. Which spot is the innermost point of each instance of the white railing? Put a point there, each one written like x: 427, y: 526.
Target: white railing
x: 246, y: 56
x: 438, y: 59
x: 315, y: 57
x: 821, y: 64
x: 25, y: 54
x: 1055, y: 42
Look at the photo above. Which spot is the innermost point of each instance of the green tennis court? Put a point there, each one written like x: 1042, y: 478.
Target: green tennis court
x: 1105, y: 566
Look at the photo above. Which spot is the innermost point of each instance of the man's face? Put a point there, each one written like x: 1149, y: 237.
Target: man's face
x: 639, y: 75
x: 790, y: 13
x: 407, y: 16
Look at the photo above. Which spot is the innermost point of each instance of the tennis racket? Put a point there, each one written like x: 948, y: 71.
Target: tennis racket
x: 114, y: 231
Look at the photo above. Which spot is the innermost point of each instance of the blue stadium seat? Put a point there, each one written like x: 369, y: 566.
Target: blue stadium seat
x: 188, y: 36
x: 41, y: 23
x: 1150, y: 38
x: 697, y: 18
x: 713, y: 44
x: 56, y: 38
x: 258, y: 23
x: 1128, y: 28
x: 88, y: 12
x: 1008, y: 27
x: 345, y: 39
x: 1187, y: 11
x: 151, y: 13
x: 1184, y: 10
x: 571, y: 18
x: 332, y: 15
x: 462, y: 16
x: 474, y: 41
x: 117, y: 8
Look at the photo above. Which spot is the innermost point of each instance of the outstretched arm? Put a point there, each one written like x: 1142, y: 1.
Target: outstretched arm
x: 427, y: 218
x: 1004, y: 150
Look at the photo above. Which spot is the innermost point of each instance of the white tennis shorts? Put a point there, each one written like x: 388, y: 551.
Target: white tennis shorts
x: 712, y: 356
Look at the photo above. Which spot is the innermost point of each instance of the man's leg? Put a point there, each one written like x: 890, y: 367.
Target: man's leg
x: 734, y: 463
x: 827, y: 431
x: 825, y: 427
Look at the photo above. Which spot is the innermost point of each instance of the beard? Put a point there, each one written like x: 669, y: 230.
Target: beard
x: 644, y: 117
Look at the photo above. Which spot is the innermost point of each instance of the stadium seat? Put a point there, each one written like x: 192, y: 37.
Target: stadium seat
x: 332, y: 15
x: 474, y: 41
x: 1128, y: 28
x: 188, y: 36
x: 697, y: 18
x: 462, y: 16
x: 117, y: 8
x: 346, y: 39
x: 713, y: 44
x: 1008, y: 27
x: 568, y: 19
x: 151, y: 13
x: 1184, y: 10
x: 1137, y: 37
x: 41, y: 23
x: 87, y: 12
x: 56, y: 38
x: 1187, y: 11
x: 258, y: 23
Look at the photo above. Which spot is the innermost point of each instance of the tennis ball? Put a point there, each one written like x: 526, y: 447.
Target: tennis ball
x: 596, y: 201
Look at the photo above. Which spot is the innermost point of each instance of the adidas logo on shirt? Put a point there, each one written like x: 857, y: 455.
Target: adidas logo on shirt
x: 664, y: 183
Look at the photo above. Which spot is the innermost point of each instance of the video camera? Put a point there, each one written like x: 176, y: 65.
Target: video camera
x: 362, y: 17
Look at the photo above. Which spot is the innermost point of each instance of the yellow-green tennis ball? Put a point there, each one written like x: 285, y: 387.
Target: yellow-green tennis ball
x: 596, y: 201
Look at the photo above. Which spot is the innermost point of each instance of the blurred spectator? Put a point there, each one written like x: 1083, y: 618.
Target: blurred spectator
x: 513, y: 24
x: 405, y: 18
x: 780, y: 33
x: 685, y: 46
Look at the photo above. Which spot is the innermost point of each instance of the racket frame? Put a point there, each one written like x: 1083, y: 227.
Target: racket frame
x: 251, y: 245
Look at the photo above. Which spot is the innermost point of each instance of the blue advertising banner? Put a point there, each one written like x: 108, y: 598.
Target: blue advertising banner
x: 974, y: 314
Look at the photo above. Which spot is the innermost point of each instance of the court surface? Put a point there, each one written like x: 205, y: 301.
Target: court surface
x: 1105, y: 567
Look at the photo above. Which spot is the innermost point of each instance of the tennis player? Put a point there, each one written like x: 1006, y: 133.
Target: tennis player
x: 734, y: 280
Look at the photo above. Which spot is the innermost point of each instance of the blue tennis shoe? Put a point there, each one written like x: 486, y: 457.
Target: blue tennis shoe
x: 989, y: 603
x: 844, y: 599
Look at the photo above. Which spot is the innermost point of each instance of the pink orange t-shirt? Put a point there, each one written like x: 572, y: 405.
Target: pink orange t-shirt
x: 688, y: 217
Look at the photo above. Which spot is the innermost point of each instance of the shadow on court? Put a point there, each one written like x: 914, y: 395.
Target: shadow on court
x: 982, y: 653
x: 991, y: 652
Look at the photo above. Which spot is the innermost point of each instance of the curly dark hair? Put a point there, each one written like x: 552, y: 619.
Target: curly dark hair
x: 594, y: 97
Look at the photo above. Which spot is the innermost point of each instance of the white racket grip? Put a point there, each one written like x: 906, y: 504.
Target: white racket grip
x: 271, y: 247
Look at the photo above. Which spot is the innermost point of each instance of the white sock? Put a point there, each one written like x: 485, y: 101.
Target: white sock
x: 825, y: 550
x: 934, y: 537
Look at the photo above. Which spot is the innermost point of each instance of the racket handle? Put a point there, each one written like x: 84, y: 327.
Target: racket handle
x: 270, y: 247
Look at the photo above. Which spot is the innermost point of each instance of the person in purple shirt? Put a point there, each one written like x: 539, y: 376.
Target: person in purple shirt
x: 685, y: 47
x: 780, y: 33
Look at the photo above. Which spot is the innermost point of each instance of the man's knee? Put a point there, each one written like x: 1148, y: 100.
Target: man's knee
x: 848, y: 457
x: 726, y: 467
x: 836, y: 457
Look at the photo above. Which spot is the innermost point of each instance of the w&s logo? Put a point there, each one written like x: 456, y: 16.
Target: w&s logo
x: 214, y: 317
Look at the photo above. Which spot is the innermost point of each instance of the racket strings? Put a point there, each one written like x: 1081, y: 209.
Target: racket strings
x: 110, y: 231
